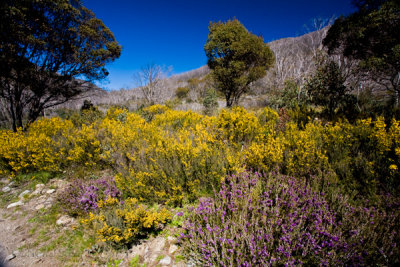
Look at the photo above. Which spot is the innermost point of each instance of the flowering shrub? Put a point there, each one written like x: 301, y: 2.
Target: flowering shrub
x: 304, y: 152
x: 48, y: 145
x: 82, y: 196
x: 42, y: 148
x: 122, y: 223
x: 266, y: 153
x: 363, y: 155
x: 149, y: 112
x: 169, y: 156
x: 268, y: 119
x: 170, y: 168
x: 238, y: 126
x: 258, y: 221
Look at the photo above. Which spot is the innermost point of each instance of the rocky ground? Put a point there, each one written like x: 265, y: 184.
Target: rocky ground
x: 33, y: 232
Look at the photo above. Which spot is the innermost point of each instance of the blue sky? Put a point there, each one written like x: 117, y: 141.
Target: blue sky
x: 173, y: 33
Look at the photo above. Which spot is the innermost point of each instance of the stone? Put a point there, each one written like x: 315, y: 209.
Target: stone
x: 24, y: 193
x: 10, y: 257
x: 15, y: 204
x: 38, y: 189
x: 191, y: 263
x: 166, y: 260
x: 4, y: 181
x: 172, y: 249
x: 139, y: 250
x: 59, y: 183
x: 39, y: 186
x: 172, y: 240
x: 6, y: 189
x: 156, y: 247
x: 158, y: 244
x: 64, y: 220
x: 49, y: 200
x: 39, y: 207
x: 50, y: 191
x: 41, y: 199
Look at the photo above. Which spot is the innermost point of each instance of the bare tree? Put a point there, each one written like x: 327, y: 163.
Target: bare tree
x: 319, y: 28
x: 150, y: 79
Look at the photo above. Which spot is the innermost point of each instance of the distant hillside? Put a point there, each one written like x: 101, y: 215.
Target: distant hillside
x: 294, y: 60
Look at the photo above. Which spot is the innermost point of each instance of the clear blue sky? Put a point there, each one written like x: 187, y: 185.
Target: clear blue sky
x: 173, y: 33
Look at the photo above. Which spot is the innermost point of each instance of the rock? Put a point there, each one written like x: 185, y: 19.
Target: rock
x: 10, y: 257
x: 60, y: 184
x: 39, y: 186
x: 12, y: 184
x: 172, y: 240
x: 158, y: 244
x: 154, y: 248
x: 191, y: 263
x: 50, y: 200
x: 6, y: 189
x: 172, y: 249
x: 64, y: 220
x: 5, y: 181
x: 166, y: 260
x: 50, y: 191
x: 15, y: 204
x: 41, y: 199
x: 24, y: 193
x: 138, y: 250
x: 38, y: 189
x: 39, y: 207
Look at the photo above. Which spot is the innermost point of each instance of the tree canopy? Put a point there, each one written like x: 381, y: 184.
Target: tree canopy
x: 326, y: 87
x: 236, y: 57
x: 49, y: 52
x: 371, y: 37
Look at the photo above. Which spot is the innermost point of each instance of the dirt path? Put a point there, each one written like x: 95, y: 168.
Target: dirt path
x: 14, y: 234
x: 34, y: 223
x: 17, y: 237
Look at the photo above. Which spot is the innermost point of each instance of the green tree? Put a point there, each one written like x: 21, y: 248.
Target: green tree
x: 45, y: 46
x: 236, y: 57
x: 326, y: 87
x: 371, y: 37
x: 210, y: 101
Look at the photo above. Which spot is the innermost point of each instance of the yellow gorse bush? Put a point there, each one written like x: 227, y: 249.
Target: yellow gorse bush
x: 238, y: 126
x: 49, y: 145
x: 304, y: 150
x: 170, y: 157
x: 122, y: 223
x: 43, y: 147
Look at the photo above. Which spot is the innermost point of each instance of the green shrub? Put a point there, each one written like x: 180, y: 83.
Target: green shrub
x: 182, y: 92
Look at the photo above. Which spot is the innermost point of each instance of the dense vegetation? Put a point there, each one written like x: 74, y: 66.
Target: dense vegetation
x: 165, y: 159
x: 311, y: 179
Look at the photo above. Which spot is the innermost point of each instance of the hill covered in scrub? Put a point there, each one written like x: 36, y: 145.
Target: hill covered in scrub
x: 294, y: 60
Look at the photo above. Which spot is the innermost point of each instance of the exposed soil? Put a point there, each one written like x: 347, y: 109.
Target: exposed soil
x: 23, y: 235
